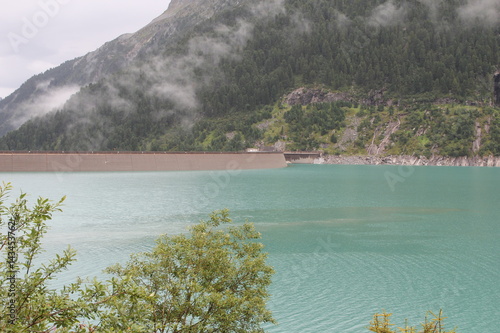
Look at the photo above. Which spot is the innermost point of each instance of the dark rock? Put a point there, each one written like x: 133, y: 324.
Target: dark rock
x: 375, y: 98
x: 496, y: 89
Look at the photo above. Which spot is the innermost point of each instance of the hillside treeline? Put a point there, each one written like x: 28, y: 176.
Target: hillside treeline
x: 412, y: 50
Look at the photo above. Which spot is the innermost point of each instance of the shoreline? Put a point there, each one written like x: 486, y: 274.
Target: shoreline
x: 464, y: 161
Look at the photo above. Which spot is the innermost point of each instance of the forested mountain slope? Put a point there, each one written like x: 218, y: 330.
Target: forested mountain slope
x: 34, y: 97
x: 413, y: 77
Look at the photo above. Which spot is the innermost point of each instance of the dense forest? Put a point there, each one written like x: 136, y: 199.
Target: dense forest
x: 416, y: 77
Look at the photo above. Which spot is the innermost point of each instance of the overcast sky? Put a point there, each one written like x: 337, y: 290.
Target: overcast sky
x: 36, y: 35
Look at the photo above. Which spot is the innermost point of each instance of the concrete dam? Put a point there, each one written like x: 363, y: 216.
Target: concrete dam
x: 136, y: 161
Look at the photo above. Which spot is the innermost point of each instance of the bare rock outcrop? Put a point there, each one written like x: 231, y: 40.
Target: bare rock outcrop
x: 476, y: 145
x: 488, y: 161
x: 305, y: 96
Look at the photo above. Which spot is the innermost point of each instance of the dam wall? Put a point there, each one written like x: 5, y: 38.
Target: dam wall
x: 302, y: 157
x: 136, y: 161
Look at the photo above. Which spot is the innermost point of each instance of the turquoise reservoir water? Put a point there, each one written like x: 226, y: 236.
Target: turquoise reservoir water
x: 346, y: 241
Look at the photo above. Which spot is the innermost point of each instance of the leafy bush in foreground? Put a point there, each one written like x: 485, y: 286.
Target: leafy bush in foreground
x: 381, y: 324
x: 213, y: 279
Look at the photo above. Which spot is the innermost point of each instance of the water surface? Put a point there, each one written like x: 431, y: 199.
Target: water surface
x: 346, y: 241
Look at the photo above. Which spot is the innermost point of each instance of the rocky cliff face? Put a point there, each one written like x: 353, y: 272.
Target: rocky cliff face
x: 489, y: 161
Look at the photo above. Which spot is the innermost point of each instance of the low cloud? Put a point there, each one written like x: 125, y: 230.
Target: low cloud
x: 433, y: 6
x: 387, y: 14
x: 268, y: 8
x: 342, y: 20
x: 177, y: 79
x: 484, y: 12
x: 301, y: 25
x: 46, y: 99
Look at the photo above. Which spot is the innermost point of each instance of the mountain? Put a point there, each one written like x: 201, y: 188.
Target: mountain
x: 53, y: 87
x: 350, y: 77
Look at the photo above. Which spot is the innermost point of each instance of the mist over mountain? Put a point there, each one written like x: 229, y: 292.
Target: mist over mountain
x: 212, y: 75
x: 112, y: 57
